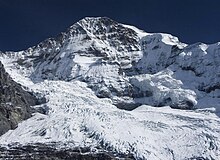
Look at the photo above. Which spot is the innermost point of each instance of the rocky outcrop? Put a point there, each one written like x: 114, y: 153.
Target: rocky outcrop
x: 48, y: 152
x: 15, y: 102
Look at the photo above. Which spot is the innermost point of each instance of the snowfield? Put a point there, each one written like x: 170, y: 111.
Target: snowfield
x: 93, y: 68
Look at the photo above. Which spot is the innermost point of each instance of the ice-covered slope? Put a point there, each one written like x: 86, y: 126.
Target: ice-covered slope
x: 98, y: 66
x: 162, y: 89
x: 76, y: 117
x: 196, y: 66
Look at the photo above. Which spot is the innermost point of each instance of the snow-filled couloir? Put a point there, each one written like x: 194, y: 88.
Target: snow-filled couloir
x: 98, y: 67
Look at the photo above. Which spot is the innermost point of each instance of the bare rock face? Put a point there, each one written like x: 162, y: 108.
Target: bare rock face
x: 49, y: 151
x: 15, y: 102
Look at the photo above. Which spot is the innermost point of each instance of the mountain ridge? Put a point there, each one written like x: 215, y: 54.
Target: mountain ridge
x: 102, y: 41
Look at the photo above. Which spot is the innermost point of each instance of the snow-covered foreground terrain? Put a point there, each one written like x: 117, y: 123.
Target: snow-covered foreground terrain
x: 84, y: 84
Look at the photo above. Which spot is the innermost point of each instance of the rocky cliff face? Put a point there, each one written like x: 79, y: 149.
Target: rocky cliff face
x: 15, y: 102
x: 47, y: 152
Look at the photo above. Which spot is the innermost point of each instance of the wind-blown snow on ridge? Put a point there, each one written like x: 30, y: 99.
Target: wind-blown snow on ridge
x: 98, y: 64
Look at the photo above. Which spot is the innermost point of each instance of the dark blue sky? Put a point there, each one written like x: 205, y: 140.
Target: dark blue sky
x: 24, y: 23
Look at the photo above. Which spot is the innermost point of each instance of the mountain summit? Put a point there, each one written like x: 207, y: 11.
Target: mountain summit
x: 112, y: 85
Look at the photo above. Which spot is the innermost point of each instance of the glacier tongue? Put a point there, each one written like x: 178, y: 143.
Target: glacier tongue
x: 98, y: 64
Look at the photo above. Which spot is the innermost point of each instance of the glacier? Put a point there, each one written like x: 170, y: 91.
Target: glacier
x: 112, y: 85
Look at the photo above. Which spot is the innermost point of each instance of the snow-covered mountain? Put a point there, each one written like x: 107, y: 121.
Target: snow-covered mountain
x: 98, y: 67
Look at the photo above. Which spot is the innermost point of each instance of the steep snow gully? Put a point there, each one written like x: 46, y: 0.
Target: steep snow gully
x: 112, y: 85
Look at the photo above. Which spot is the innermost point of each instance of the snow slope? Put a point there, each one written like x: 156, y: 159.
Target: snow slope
x: 98, y: 64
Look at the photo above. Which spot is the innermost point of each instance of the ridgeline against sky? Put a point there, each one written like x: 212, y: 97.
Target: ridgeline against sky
x: 25, y: 23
